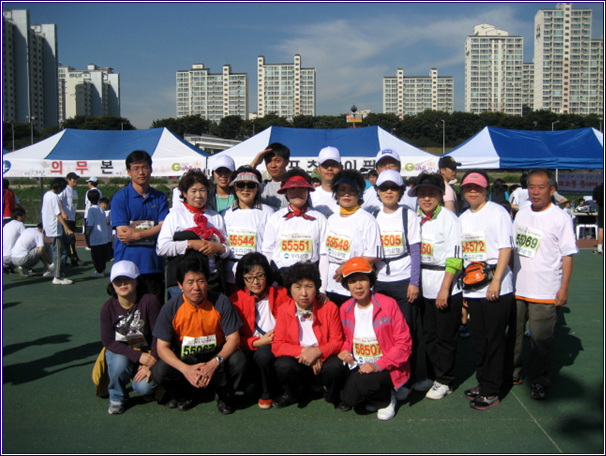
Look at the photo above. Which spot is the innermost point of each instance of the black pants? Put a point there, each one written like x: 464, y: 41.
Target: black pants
x: 337, y: 298
x: 224, y: 382
x: 99, y: 253
x: 373, y: 389
x: 489, y: 320
x: 441, y: 330
x: 260, y: 371
x: 155, y: 284
x: 70, y: 242
x: 293, y: 376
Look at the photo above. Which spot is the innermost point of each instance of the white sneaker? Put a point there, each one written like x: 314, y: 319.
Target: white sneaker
x: 388, y: 412
x: 97, y: 275
x: 64, y: 281
x: 438, y: 391
x: 47, y: 274
x: 22, y: 272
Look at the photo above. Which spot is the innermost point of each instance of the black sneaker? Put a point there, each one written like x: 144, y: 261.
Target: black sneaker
x: 472, y: 393
x: 343, y: 407
x: 283, y: 400
x: 484, y: 402
x: 223, y: 407
x: 185, y: 405
x: 171, y: 404
x: 537, y: 391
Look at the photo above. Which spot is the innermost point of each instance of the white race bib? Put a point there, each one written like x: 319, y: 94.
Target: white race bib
x: 528, y: 241
x: 198, y: 345
x: 242, y: 240
x: 366, y: 350
x: 474, y: 247
x: 338, y: 244
x: 427, y: 246
x: 295, y: 246
x: 393, y: 243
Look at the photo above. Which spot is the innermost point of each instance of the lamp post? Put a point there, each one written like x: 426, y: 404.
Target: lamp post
x: 443, y: 136
x: 553, y: 123
x: 31, y: 127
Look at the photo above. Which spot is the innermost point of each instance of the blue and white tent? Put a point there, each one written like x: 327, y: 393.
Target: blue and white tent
x: 499, y: 148
x: 102, y: 153
x: 358, y: 148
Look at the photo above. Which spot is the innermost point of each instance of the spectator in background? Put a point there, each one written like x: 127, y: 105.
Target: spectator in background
x: 409, y: 201
x: 138, y: 211
x: 598, y: 199
x: 372, y: 177
x: 499, y: 194
x: 92, y: 183
x: 220, y: 195
x: 55, y: 226
x: 315, y: 181
x: 10, y: 233
x: 519, y: 196
x: 29, y: 249
x: 9, y: 201
x: 104, y: 204
x: 96, y: 233
x: 448, y: 169
x: 329, y: 164
x: 276, y: 158
x: 69, y: 201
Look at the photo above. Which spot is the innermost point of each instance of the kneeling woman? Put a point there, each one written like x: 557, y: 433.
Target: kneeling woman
x: 257, y: 302
x: 127, y: 321
x: 307, y: 338
x: 377, y: 343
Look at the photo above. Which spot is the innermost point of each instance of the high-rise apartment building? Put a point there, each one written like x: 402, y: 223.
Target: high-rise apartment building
x: 285, y: 89
x: 29, y: 70
x: 212, y: 96
x: 494, y: 64
x: 410, y: 95
x: 568, y: 73
x: 91, y: 92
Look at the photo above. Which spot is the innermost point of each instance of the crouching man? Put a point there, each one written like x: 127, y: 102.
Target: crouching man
x: 198, y: 340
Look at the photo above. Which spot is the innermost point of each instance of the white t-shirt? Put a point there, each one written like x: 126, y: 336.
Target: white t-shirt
x: 271, y: 197
x: 366, y: 347
x: 289, y: 241
x: 10, y: 233
x: 349, y: 237
x: 542, y: 239
x: 31, y: 238
x: 264, y: 319
x: 371, y: 199
x: 449, y: 193
x: 324, y: 202
x: 520, y: 198
x: 245, y: 228
x: 87, y: 203
x: 69, y: 199
x: 484, y: 233
x: 181, y: 220
x: 51, y: 208
x: 97, y: 219
x: 409, y: 201
x: 440, y: 240
x: 394, y: 244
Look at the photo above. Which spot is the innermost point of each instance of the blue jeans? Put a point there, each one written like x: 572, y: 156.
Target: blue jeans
x: 121, y: 370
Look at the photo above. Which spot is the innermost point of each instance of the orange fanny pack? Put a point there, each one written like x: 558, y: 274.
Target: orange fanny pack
x: 476, y: 275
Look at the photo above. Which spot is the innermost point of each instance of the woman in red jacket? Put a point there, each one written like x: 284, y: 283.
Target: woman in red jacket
x: 257, y: 303
x: 307, y: 339
x: 377, y: 343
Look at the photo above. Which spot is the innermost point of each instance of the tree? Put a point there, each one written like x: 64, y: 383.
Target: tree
x: 231, y: 127
x: 98, y: 123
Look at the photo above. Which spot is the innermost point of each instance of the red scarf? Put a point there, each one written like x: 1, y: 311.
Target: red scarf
x: 202, y: 229
x: 292, y: 212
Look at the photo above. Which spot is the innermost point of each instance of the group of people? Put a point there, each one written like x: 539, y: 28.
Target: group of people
x: 280, y: 288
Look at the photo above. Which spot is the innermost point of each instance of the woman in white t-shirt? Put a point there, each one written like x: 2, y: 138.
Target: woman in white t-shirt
x: 351, y: 232
x: 487, y: 237
x: 294, y: 234
x: 245, y: 220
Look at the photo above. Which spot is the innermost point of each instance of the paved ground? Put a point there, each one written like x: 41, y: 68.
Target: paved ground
x: 50, y: 339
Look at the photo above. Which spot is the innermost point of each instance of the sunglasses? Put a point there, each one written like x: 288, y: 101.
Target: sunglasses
x: 384, y: 188
x: 248, y: 185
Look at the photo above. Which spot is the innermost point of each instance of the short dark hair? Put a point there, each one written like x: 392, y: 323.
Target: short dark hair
x: 137, y: 156
x: 300, y: 271
x: 18, y: 212
x: 58, y: 184
x: 191, y: 177
x: 353, y: 176
x: 277, y: 149
x: 192, y: 261
x: 373, y: 172
x: 249, y: 261
x: 5, y: 182
x: 104, y: 200
x: 372, y: 276
x: 93, y: 196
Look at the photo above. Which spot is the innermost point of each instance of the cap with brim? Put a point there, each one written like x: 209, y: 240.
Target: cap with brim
x: 387, y: 153
x: 72, y: 176
x: 448, y: 162
x: 355, y: 265
x: 389, y: 175
x: 424, y: 183
x: 475, y: 178
x: 124, y: 268
x: 224, y: 161
x: 92, y: 179
x: 329, y: 153
x: 246, y: 176
x: 296, y: 182
x: 348, y: 180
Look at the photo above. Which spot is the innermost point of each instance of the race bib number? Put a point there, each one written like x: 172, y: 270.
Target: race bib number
x: 295, y: 246
x: 366, y: 350
x: 528, y: 241
x: 393, y: 243
x: 198, y: 345
x: 427, y: 246
x: 242, y: 240
x: 474, y: 247
x: 338, y: 245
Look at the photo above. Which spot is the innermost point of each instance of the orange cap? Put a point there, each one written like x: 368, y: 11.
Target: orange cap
x: 357, y: 264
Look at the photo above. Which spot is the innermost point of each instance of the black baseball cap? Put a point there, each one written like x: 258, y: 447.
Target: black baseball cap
x: 448, y: 162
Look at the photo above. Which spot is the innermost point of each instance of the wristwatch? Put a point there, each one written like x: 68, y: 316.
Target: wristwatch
x: 219, y: 359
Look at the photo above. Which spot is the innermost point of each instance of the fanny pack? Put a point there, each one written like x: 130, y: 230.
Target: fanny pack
x: 476, y: 275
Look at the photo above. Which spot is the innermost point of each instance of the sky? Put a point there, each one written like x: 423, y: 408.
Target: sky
x: 352, y: 45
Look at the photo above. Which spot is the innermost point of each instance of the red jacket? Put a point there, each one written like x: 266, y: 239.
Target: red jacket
x: 245, y: 305
x: 8, y: 203
x: 392, y: 333
x: 326, y: 326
